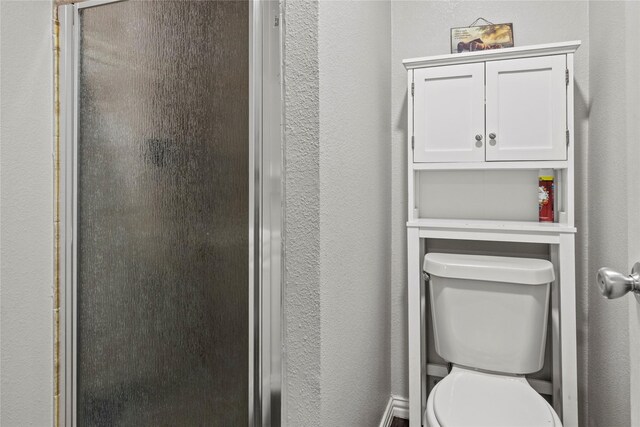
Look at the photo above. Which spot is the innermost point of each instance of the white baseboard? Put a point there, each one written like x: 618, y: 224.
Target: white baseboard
x: 396, y: 407
x: 400, y: 407
x: 387, y: 415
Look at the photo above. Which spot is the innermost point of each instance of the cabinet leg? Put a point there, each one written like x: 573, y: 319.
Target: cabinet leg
x: 556, y: 379
x: 414, y: 329
x: 423, y: 335
x: 569, y: 367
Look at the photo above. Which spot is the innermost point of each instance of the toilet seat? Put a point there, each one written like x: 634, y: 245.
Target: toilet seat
x: 466, y: 398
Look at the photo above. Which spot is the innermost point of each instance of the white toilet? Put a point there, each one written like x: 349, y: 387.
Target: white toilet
x: 490, y: 321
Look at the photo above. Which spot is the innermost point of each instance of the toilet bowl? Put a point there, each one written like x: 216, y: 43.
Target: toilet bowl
x: 489, y: 319
x: 469, y: 398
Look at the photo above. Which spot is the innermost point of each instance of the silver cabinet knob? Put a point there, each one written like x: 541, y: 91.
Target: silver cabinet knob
x: 478, y: 140
x: 614, y: 285
x: 492, y: 139
x: 492, y: 136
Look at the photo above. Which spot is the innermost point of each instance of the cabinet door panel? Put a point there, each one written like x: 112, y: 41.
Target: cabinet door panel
x: 526, y: 109
x: 449, y: 113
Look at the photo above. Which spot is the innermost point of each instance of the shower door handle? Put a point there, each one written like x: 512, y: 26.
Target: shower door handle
x: 614, y: 285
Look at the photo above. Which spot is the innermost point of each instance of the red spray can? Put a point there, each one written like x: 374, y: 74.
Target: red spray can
x: 545, y: 197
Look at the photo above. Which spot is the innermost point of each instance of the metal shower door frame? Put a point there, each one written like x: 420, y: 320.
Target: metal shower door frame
x: 265, y: 212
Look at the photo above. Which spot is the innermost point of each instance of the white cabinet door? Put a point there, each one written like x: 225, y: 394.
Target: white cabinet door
x: 449, y: 113
x: 526, y: 109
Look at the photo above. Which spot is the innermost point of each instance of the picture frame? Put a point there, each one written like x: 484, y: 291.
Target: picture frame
x: 481, y: 37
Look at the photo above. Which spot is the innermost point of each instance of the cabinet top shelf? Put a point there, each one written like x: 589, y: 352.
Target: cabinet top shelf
x: 494, y: 54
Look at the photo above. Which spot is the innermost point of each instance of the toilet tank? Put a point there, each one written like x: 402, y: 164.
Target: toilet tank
x: 490, y: 312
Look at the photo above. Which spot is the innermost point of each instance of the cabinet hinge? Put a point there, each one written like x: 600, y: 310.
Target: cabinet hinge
x: 413, y: 141
x: 566, y: 77
x: 413, y: 88
x: 567, y: 137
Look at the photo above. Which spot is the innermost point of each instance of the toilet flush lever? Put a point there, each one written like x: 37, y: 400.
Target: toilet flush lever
x: 614, y: 285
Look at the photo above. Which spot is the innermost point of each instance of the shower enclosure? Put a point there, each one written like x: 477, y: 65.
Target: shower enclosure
x: 170, y: 213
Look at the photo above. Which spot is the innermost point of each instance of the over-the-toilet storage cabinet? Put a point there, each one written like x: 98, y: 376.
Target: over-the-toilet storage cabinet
x: 481, y: 126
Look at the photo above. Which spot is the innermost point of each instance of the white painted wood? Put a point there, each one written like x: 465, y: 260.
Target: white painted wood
x: 410, y: 172
x: 397, y: 407
x: 387, y: 415
x: 560, y: 235
x: 489, y: 225
x: 560, y: 196
x: 437, y: 370
x: 569, y: 362
x: 491, y: 165
x: 491, y: 236
x: 564, y: 371
x: 489, y: 55
x: 414, y: 325
x: 541, y: 386
x: 94, y: 3
x: 526, y: 109
x: 400, y: 407
x: 449, y: 113
x: 424, y: 300
x: 569, y: 176
x: 556, y: 372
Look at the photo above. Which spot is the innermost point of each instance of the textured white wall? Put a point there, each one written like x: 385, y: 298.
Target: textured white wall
x: 26, y: 214
x: 354, y: 47
x: 337, y: 212
x: 611, y: 105
x: 421, y: 28
x: 302, y: 215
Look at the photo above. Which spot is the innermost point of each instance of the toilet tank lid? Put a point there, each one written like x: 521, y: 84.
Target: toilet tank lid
x: 526, y: 271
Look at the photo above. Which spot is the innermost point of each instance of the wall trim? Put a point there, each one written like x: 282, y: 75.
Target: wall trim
x: 396, y: 407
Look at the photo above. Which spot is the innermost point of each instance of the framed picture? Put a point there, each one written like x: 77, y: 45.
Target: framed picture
x: 481, y: 37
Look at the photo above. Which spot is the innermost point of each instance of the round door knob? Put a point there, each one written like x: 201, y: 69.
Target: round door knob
x: 614, y: 285
x: 492, y: 142
x: 492, y: 136
x: 478, y: 137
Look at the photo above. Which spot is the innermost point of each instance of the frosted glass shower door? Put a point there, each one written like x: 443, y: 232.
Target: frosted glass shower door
x: 162, y: 157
